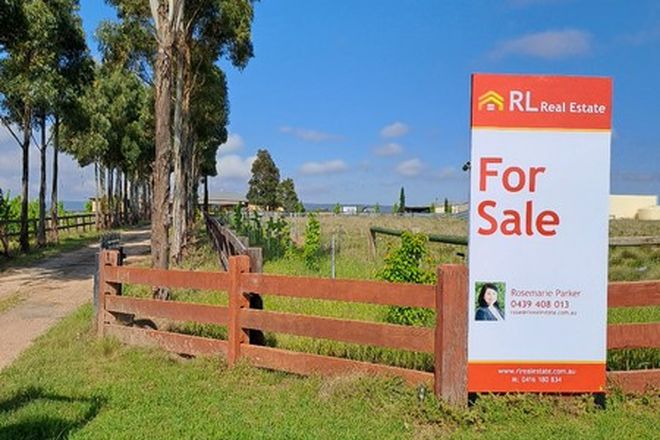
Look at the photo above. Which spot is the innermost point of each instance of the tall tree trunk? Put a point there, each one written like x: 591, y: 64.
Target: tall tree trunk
x: 110, y: 192
x: 118, y: 198
x: 206, y: 193
x: 125, y: 200
x: 144, y: 206
x: 193, y: 181
x: 179, y: 193
x: 24, y: 239
x: 99, y: 192
x: 161, y: 169
x: 41, y: 229
x: 54, y: 233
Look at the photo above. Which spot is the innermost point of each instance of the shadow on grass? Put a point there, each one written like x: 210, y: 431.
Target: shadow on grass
x: 42, y: 425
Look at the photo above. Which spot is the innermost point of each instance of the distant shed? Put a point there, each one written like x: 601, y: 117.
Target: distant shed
x: 225, y: 201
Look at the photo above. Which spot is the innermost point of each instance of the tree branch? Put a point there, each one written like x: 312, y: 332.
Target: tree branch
x: 34, y: 139
x: 153, y: 5
x: 8, y: 125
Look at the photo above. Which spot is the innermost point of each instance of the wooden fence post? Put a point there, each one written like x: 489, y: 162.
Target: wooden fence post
x: 256, y: 302
x: 107, y: 257
x: 450, y: 370
x: 372, y: 243
x: 237, y: 300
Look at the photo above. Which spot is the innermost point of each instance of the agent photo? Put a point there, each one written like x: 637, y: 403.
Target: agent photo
x: 489, y: 295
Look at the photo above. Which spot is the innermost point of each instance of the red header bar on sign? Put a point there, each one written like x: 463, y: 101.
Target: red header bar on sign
x: 553, y: 102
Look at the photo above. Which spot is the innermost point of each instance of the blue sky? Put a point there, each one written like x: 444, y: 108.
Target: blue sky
x: 355, y: 99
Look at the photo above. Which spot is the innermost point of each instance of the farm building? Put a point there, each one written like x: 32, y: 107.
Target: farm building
x: 634, y: 206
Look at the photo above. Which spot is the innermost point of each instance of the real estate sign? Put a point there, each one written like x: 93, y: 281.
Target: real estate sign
x: 538, y: 233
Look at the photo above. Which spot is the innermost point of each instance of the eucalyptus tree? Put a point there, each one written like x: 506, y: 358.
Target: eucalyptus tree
x: 209, y: 114
x: 189, y: 36
x: 111, y: 127
x: 74, y: 69
x: 209, y: 30
x: 27, y: 80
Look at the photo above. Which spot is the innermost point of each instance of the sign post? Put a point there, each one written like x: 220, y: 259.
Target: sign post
x: 539, y: 193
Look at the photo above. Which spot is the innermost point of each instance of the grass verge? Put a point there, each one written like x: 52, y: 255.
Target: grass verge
x: 71, y: 385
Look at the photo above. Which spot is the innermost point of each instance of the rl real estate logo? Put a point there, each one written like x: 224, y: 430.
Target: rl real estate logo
x: 510, y: 101
x: 491, y: 101
x: 523, y: 101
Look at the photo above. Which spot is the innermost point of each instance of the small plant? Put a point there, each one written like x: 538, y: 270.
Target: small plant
x: 404, y: 265
x: 312, y: 246
x: 237, y: 220
x: 336, y: 209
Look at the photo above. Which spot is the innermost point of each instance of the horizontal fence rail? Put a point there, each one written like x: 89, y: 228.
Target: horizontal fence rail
x: 463, y: 240
x: 182, y: 279
x: 447, y: 298
x: 633, y: 294
x: 368, y: 333
x: 373, y: 292
x: 63, y: 223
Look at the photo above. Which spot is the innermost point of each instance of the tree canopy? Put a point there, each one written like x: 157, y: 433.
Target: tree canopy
x: 286, y: 196
x: 264, y: 181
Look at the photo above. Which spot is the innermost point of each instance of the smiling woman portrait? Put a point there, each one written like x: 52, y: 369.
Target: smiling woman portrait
x: 488, y: 308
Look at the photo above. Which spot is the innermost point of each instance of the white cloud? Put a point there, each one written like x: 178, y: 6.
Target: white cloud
x: 550, y: 45
x: 642, y: 36
x: 410, y: 168
x: 329, y: 167
x: 391, y: 149
x: 11, y: 159
x: 234, y: 167
x: 234, y: 143
x: 395, y: 129
x: 309, y: 135
x: 447, y: 173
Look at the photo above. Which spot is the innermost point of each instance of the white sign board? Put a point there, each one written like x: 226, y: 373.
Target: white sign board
x: 538, y: 233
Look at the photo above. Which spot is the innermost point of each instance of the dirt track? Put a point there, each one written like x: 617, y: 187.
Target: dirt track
x: 51, y: 289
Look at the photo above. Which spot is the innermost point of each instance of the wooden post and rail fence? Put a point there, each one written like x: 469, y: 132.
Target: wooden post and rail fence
x: 463, y: 240
x: 447, y: 341
x: 77, y: 222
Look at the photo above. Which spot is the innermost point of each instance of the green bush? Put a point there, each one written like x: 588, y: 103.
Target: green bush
x: 312, y: 246
x: 274, y: 237
x: 404, y: 264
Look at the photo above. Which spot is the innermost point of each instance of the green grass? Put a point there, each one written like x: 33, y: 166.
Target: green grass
x: 10, y: 302
x: 71, y: 385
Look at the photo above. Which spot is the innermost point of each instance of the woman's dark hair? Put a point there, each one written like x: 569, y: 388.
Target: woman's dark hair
x: 482, y: 302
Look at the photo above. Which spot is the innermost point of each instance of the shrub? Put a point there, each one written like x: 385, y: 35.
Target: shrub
x: 312, y: 246
x: 404, y: 265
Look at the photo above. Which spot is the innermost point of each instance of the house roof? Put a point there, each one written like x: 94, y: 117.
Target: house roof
x: 225, y: 198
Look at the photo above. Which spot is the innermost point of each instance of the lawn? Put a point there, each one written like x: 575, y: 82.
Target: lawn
x: 72, y: 385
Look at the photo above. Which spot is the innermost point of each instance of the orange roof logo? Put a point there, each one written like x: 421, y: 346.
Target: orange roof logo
x: 492, y: 101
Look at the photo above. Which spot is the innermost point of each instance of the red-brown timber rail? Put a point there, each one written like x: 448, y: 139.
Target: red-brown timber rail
x: 447, y: 341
